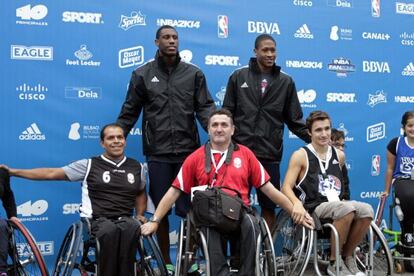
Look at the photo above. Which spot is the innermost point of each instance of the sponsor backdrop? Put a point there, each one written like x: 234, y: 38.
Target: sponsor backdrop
x: 66, y: 67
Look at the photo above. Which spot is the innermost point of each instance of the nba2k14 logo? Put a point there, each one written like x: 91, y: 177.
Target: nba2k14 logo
x: 223, y: 26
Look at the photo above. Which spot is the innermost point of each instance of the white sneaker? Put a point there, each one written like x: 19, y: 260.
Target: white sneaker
x: 343, y: 269
x: 352, y: 266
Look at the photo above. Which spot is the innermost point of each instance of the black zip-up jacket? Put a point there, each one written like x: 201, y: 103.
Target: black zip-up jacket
x: 6, y: 194
x: 260, y: 120
x: 171, y: 100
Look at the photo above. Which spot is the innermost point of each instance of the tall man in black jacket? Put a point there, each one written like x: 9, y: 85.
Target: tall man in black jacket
x: 172, y: 93
x: 262, y: 99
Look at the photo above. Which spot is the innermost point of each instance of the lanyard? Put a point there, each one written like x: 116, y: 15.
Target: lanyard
x: 217, y: 166
x: 328, y: 156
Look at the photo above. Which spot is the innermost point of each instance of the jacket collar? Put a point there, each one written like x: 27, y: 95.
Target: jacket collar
x: 161, y: 62
x: 255, y: 67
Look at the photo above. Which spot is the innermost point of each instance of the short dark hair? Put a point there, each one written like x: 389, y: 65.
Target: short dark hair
x: 102, y: 134
x: 316, y: 115
x: 221, y: 111
x: 262, y: 37
x: 337, y: 134
x: 158, y: 33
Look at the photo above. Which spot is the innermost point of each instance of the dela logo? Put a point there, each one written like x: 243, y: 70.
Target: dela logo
x: 83, y: 93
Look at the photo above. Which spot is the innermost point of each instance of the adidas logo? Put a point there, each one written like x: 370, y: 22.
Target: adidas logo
x: 32, y: 133
x: 303, y: 32
x: 244, y: 85
x: 408, y: 70
x: 154, y: 79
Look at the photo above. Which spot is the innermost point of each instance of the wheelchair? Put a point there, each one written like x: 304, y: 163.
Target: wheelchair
x: 292, y: 244
x: 24, y: 256
x: 80, y: 251
x: 193, y: 249
x: 393, y: 236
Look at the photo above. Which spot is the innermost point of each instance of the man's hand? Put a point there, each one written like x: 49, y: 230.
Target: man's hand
x: 14, y: 219
x: 141, y: 218
x: 2, y: 166
x: 308, y: 222
x: 384, y: 194
x: 298, y: 213
x: 149, y: 228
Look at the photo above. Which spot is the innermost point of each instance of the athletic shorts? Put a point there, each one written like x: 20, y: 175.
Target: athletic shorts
x: 338, y: 209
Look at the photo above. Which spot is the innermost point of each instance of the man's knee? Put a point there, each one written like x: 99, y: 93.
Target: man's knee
x: 363, y: 210
x: 249, y: 224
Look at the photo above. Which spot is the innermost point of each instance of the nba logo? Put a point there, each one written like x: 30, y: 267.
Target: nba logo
x: 375, y: 165
x: 375, y: 8
x: 223, y: 26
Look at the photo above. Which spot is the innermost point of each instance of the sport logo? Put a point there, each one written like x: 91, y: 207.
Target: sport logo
x: 32, y: 52
x: 222, y: 60
x: 303, y: 32
x: 29, y: 93
x: 83, y: 93
x: 375, y: 165
x: 130, y: 57
x: 375, y: 66
x: 222, y: 26
x: 32, y: 133
x: 31, y: 15
x: 333, y: 97
x: 375, y: 8
x: 307, y: 97
x: 82, y: 17
x: 404, y: 8
x: 136, y: 19
x: 378, y: 97
x: 408, y: 70
x: 375, y: 132
x: 263, y: 27
x: 342, y: 66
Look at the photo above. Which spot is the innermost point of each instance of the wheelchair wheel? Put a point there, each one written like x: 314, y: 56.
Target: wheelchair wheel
x: 150, y: 260
x: 293, y: 245
x: 25, y: 261
x: 265, y: 253
x: 382, y: 263
x: 192, y: 250
x: 66, y: 258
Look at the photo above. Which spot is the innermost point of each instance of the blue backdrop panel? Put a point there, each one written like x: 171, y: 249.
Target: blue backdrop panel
x: 66, y: 67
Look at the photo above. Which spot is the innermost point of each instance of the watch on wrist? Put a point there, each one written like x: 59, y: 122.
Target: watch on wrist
x: 154, y: 219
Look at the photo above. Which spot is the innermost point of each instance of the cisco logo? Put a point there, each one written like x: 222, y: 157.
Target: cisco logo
x: 303, y: 3
x: 31, y: 92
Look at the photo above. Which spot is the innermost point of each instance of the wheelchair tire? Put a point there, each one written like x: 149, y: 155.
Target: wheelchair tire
x: 29, y: 262
x: 151, y: 261
x: 382, y: 258
x: 292, y: 244
x: 265, y: 253
x: 66, y: 258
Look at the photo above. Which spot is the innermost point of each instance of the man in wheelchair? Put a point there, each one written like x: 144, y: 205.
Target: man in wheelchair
x: 9, y: 204
x: 233, y: 167
x: 313, y: 183
x: 111, y: 189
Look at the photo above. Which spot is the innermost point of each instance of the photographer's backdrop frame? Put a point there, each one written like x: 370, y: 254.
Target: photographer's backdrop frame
x: 66, y: 67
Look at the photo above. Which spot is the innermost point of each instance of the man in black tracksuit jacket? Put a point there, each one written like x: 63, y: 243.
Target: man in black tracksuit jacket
x: 263, y: 99
x: 172, y: 93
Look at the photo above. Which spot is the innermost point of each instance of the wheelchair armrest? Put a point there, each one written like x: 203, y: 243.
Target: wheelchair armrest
x: 319, y: 223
